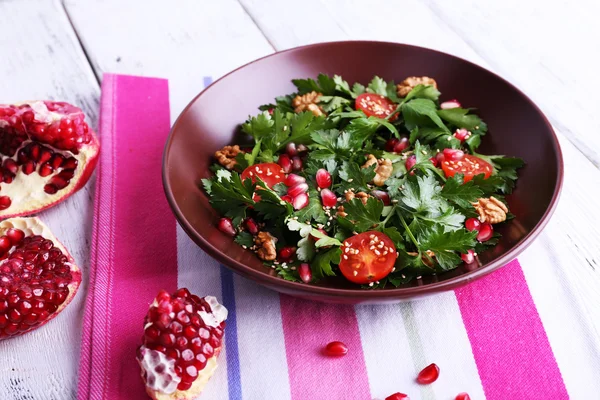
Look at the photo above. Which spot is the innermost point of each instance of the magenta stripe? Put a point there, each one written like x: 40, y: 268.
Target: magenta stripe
x: 510, y: 346
x: 135, y: 250
x: 308, y: 326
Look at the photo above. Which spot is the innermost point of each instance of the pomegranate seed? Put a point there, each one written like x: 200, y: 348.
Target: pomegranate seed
x: 287, y: 252
x: 410, y: 162
x: 463, y: 396
x: 434, y: 161
x: 328, y: 198
x: 293, y: 179
x: 305, y: 272
x: 296, y: 163
x: 402, y: 145
x: 291, y: 149
x: 381, y: 195
x: 429, y: 374
x: 45, y: 170
x: 439, y: 157
x: 226, y: 226
x: 469, y: 257
x: 486, y: 231
x: 397, y: 396
x: 450, y: 104
x: 389, y: 145
x: 462, y: 134
x: 336, y: 349
x: 287, y: 198
x: 285, y: 163
x: 270, y: 111
x: 5, y: 202
x: 301, y: 148
x: 323, y: 178
x: 298, y: 189
x: 453, y: 154
x: 472, y: 224
x: 251, y: 226
x: 300, y: 201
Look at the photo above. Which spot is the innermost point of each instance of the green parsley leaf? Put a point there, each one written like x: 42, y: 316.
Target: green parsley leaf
x: 324, y: 85
x: 244, y: 239
x: 460, y: 193
x: 363, y: 216
x: 445, y: 244
x: 423, y: 92
x: 305, y: 249
x: 333, y: 103
x: 355, y: 177
x: 421, y: 112
x: 287, y: 274
x: 260, y: 126
x: 378, y: 86
x: 358, y: 89
x: 461, y: 118
x: 321, y: 264
x: 313, y: 211
x: 229, y: 195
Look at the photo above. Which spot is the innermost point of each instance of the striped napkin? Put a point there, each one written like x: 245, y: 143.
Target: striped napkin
x: 487, y: 338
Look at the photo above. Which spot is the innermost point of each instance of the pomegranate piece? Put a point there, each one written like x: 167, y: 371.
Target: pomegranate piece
x: 468, y: 257
x: 463, y: 396
x: 305, y: 272
x: 298, y: 189
x: 251, y: 226
x: 296, y: 163
x: 410, y: 162
x: 389, y: 145
x: 429, y: 374
x: 285, y: 163
x: 47, y: 153
x: 462, y: 134
x: 183, y: 335
x: 402, y: 145
x: 293, y: 179
x: 336, y: 349
x: 453, y: 154
x: 226, y: 226
x: 291, y: 149
x: 300, y: 201
x: 381, y: 195
x: 397, y: 396
x: 486, y: 231
x: 472, y: 224
x: 328, y: 198
x: 38, y: 276
x: 323, y: 178
x: 286, y: 253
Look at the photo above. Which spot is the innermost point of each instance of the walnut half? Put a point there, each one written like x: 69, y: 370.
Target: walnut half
x: 404, y: 87
x: 382, y: 172
x: 491, y: 210
x: 308, y: 102
x: 226, y: 156
x: 266, y: 246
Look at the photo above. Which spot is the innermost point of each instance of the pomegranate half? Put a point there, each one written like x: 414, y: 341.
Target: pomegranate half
x: 47, y: 153
x: 38, y: 276
x: 183, y: 335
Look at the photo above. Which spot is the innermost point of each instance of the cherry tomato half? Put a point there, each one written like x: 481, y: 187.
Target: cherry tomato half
x: 367, y: 257
x: 270, y: 173
x: 470, y: 166
x: 376, y: 105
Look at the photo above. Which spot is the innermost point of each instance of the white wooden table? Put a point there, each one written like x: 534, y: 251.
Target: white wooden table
x: 59, y: 50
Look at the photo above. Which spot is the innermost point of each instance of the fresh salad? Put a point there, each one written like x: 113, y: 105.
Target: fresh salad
x: 380, y: 184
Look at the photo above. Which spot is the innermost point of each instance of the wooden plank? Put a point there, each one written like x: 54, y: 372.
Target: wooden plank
x: 184, y: 43
x: 42, y: 59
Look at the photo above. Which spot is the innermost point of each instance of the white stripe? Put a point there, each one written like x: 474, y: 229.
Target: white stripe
x: 198, y: 272
x: 261, y: 345
x: 445, y: 342
x: 554, y: 289
x: 388, y: 358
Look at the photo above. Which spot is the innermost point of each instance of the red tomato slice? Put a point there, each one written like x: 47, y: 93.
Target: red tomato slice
x: 376, y: 105
x: 470, y: 166
x: 367, y: 257
x: 270, y: 173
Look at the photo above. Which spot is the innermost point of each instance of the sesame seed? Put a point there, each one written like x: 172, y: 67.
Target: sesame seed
x: 283, y: 264
x: 377, y: 252
x: 419, y: 277
x: 394, y: 201
x: 385, y: 253
x: 285, y: 127
x: 328, y: 223
x: 393, y: 269
x: 250, y: 173
x: 449, y: 138
x: 354, y: 273
x: 372, y: 248
x: 354, y: 233
x: 345, y: 257
x: 346, y: 250
x: 276, y: 262
x: 403, y: 276
x: 371, y: 284
x: 423, y: 152
x: 269, y: 173
x: 244, y: 247
x: 350, y: 180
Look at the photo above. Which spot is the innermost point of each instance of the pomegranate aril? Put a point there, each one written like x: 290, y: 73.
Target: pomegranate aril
x: 323, y: 178
x: 5, y: 202
x: 410, y: 162
x: 287, y: 198
x: 287, y: 252
x: 468, y: 257
x: 336, y: 349
x: 56, y: 161
x: 183, y: 385
x: 291, y: 149
x: 251, y: 226
x: 453, y: 154
x: 5, y: 245
x: 305, y: 272
x: 446, y: 105
x: 11, y: 166
x: 285, y: 163
x: 429, y: 374
x: 472, y: 224
x: 328, y: 198
x: 297, y: 189
x: 389, y: 145
x: 486, y: 231
x: 226, y: 226
x: 300, y: 201
x: 381, y: 195
x: 462, y: 396
x: 462, y: 134
x: 296, y: 163
x: 45, y: 170
x: 70, y: 163
x: 397, y: 396
x: 434, y: 161
x: 402, y: 145
x: 29, y: 167
x: 293, y: 179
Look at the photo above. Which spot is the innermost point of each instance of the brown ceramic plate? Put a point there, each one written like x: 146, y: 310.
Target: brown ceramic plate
x: 516, y: 127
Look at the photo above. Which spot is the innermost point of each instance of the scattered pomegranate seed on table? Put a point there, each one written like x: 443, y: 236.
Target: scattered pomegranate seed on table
x: 429, y: 374
x: 336, y: 349
x: 397, y: 396
x: 463, y: 396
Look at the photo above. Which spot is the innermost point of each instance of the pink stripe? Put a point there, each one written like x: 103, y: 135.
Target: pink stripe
x: 308, y: 326
x: 511, y: 349
x: 136, y: 249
